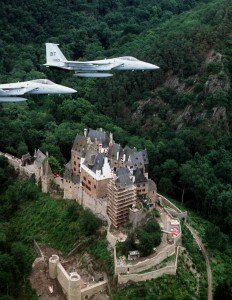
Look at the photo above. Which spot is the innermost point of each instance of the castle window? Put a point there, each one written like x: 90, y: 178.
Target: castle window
x: 94, y: 186
x: 75, y: 163
x: 75, y: 169
x: 138, y: 185
x: 89, y: 182
x: 84, y: 178
x: 143, y: 190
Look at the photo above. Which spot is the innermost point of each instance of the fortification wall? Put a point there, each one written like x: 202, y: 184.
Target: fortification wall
x: 176, y: 211
x: 88, y: 292
x: 97, y: 206
x: 111, y: 238
x: 63, y: 278
x: 170, y: 269
x: 71, y: 284
x: 16, y: 164
x: 147, y: 263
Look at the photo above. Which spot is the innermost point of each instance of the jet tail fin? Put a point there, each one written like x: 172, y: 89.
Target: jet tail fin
x: 54, y: 55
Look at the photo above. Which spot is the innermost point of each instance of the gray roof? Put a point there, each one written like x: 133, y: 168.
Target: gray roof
x: 95, y: 163
x: 128, y: 151
x: 68, y: 174
x: 68, y: 171
x: 90, y: 156
x: 145, y: 156
x: 139, y: 176
x: 114, y: 149
x: 46, y: 169
x: 138, y: 159
x: 80, y: 145
x: 151, y: 185
x: 99, y: 135
x: 39, y: 158
x: 123, y: 179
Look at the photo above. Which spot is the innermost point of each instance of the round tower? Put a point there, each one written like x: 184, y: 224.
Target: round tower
x: 74, y: 290
x: 53, y: 261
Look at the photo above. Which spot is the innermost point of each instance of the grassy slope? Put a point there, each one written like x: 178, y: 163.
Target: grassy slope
x: 59, y: 224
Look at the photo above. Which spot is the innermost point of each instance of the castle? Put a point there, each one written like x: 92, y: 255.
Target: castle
x: 105, y: 177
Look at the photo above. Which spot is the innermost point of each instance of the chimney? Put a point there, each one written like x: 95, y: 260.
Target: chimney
x: 117, y: 155
x: 111, y: 138
x: 85, y: 132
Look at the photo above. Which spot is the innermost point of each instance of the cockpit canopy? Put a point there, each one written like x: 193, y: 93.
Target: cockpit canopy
x: 130, y: 58
x: 43, y: 81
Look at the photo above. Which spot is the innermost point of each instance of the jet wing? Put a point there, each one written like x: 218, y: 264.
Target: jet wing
x: 17, y: 91
x: 101, y: 66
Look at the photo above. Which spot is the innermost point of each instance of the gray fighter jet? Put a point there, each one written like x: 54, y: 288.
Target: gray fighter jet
x: 96, y: 68
x: 12, y: 92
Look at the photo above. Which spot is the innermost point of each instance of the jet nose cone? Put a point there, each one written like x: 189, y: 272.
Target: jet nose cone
x: 71, y: 91
x: 152, y: 67
x: 66, y: 90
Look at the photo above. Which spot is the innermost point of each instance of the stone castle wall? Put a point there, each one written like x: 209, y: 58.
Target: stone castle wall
x: 71, y: 284
x: 170, y: 269
x: 177, y: 212
x: 147, y: 263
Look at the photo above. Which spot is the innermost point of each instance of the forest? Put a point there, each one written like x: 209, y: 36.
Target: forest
x: 181, y: 113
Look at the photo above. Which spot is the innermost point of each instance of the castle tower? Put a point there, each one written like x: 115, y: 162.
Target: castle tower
x: 46, y: 176
x: 74, y: 289
x: 53, y: 261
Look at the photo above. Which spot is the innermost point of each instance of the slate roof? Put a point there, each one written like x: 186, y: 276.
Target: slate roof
x: 46, y: 169
x: 39, y: 158
x: 68, y: 174
x: 145, y: 156
x: 128, y: 151
x: 138, y: 159
x: 90, y: 156
x: 95, y: 163
x: 101, y: 136
x: 139, y: 176
x: 68, y: 171
x: 123, y: 179
x: 80, y: 145
x: 151, y: 185
x: 114, y: 149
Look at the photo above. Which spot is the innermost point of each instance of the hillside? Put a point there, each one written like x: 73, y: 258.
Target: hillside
x: 181, y: 114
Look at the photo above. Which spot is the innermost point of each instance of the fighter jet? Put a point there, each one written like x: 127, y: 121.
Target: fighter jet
x: 12, y: 92
x: 96, y: 68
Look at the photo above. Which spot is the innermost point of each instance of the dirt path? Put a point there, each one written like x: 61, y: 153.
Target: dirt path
x: 204, y: 252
